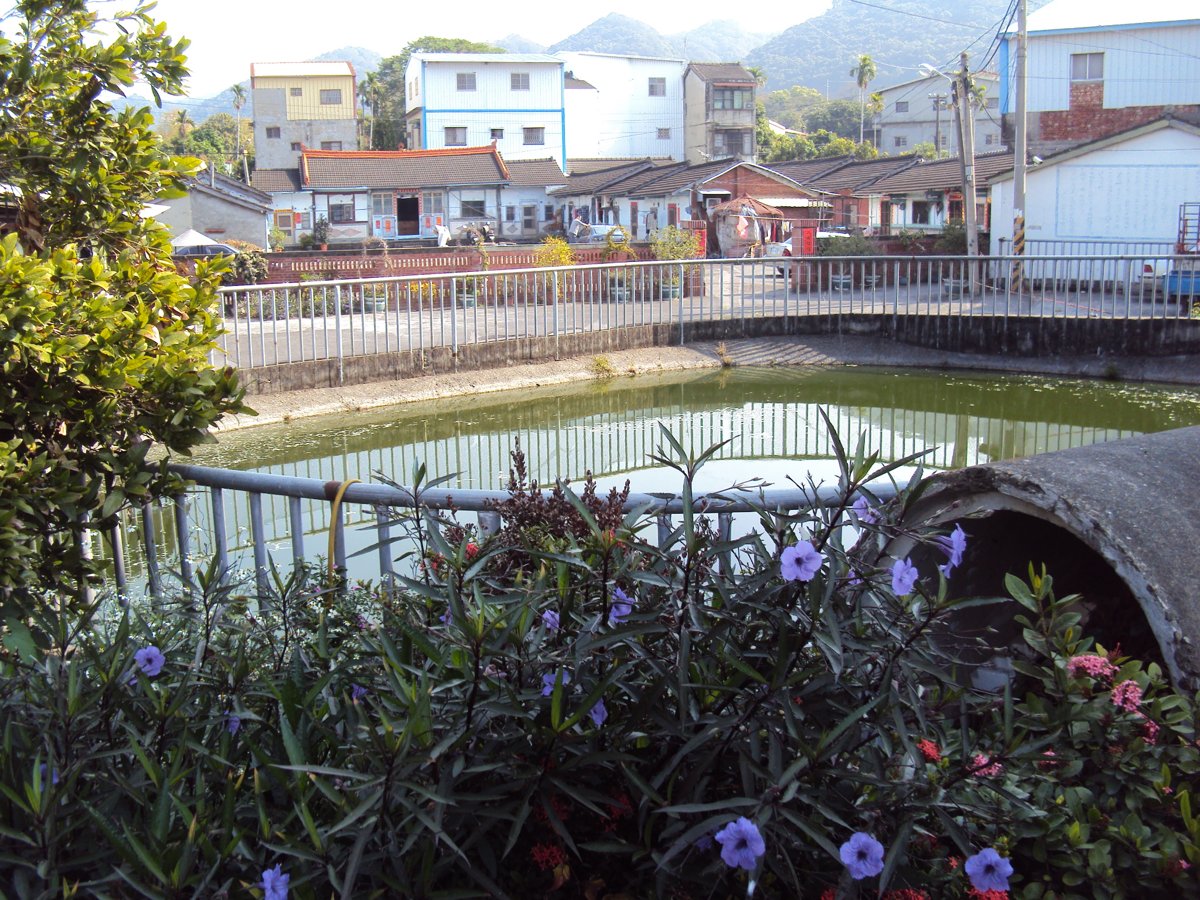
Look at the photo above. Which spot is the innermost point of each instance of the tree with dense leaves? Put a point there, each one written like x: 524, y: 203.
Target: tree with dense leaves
x: 103, y: 344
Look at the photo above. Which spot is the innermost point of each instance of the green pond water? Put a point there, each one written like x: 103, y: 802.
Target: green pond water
x: 769, y: 416
x: 770, y: 419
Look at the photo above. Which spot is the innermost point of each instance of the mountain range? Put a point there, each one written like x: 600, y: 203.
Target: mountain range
x: 899, y: 35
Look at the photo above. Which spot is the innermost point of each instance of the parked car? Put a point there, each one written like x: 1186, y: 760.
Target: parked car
x: 775, y: 249
x: 203, y: 251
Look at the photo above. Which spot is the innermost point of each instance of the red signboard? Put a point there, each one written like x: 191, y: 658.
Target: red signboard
x: 808, y: 240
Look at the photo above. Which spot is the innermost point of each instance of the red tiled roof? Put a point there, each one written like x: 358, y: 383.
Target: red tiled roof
x: 943, y: 174
x: 402, y: 168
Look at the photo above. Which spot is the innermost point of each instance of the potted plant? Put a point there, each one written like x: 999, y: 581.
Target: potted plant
x: 673, y: 244
x: 842, y: 274
x: 618, y: 250
x: 320, y: 233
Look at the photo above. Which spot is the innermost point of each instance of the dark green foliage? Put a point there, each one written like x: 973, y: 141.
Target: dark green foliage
x: 442, y: 739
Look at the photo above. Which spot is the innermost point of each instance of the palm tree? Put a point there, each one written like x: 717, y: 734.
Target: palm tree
x: 368, y: 88
x: 863, y: 73
x: 760, y: 75
x: 239, y: 100
x: 183, y: 121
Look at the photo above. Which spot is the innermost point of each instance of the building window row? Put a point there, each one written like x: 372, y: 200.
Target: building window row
x: 341, y: 209
x: 519, y: 81
x: 664, y: 134
x: 474, y: 209
x: 465, y: 81
x: 331, y: 96
x: 456, y: 135
x: 657, y: 87
x: 901, y: 106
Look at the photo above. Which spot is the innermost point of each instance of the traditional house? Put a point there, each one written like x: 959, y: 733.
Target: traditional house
x: 220, y: 207
x: 528, y: 212
x: 928, y: 194
x: 856, y: 206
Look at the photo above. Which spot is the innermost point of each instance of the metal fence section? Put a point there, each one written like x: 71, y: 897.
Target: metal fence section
x: 324, y: 320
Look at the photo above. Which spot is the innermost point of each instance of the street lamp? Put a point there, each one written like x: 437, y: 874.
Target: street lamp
x: 964, y: 121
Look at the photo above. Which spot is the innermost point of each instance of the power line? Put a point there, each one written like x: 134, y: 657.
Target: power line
x: 903, y: 12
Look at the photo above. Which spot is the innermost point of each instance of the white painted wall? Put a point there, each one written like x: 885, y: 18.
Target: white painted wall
x: 627, y: 120
x: 1127, y: 192
x: 1151, y: 66
x: 919, y: 123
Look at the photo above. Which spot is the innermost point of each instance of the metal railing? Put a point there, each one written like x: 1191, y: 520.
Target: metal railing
x: 336, y: 320
x: 191, y: 538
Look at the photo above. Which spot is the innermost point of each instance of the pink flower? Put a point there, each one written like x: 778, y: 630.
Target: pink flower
x: 1149, y: 729
x: 1048, y: 761
x: 1127, y: 695
x: 983, y: 765
x: 1090, y: 664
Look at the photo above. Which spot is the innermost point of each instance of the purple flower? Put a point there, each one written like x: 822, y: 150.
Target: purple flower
x: 150, y: 660
x: 955, y: 544
x: 862, y: 855
x: 233, y: 723
x: 799, y: 562
x: 550, y: 620
x: 621, y: 607
x: 598, y: 713
x: 53, y: 774
x: 904, y: 576
x: 548, y: 682
x: 988, y: 871
x: 444, y: 618
x: 864, y: 511
x: 274, y: 883
x: 741, y: 844
x: 357, y: 692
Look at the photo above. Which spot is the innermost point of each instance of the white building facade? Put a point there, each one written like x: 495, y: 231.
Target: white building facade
x: 1097, y: 69
x: 1126, y: 188
x: 920, y: 112
x: 473, y: 99
x: 635, y: 107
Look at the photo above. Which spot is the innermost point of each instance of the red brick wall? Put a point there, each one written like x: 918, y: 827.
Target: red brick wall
x: 1087, y: 120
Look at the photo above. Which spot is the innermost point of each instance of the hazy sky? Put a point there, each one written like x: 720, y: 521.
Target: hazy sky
x: 228, y: 35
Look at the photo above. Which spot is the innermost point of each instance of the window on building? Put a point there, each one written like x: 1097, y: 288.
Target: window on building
x: 664, y: 134
x: 1087, y: 66
x: 383, y: 205
x: 510, y: 214
x: 456, y: 136
x: 990, y: 139
x: 284, y: 219
x: 519, y: 81
x: 920, y: 212
x: 993, y: 103
x: 331, y: 96
x: 497, y: 134
x: 465, y: 81
x: 899, y: 141
x: 435, y: 203
x: 942, y: 140
x: 534, y: 135
x: 901, y: 106
x: 297, y: 146
x: 272, y: 132
x: 341, y: 209
x: 474, y: 209
x: 296, y: 92
x: 658, y: 87
x: 331, y: 145
x: 303, y: 220
x: 732, y: 98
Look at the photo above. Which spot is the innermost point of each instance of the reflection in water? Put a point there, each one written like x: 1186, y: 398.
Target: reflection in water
x: 770, y: 418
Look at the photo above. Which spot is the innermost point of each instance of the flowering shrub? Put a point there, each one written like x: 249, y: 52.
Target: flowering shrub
x: 591, y: 714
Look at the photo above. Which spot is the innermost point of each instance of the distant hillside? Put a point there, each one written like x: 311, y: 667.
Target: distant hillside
x: 361, y: 58
x: 821, y: 51
x: 717, y: 42
x: 618, y: 34
x: 514, y: 43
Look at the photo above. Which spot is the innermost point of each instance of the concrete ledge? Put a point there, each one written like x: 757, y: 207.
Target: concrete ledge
x: 1115, y: 522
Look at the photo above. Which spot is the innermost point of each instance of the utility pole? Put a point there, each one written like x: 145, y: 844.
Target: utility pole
x: 965, y: 121
x: 1020, y: 149
x: 939, y: 101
